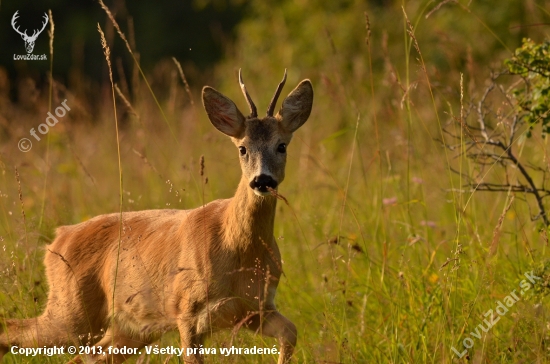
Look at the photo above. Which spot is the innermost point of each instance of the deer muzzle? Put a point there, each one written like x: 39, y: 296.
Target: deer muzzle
x: 262, y: 182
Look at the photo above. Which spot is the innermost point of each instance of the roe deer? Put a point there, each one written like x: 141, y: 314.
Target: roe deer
x: 198, y: 271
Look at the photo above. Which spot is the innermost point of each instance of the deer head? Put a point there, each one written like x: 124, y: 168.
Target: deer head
x: 29, y: 40
x: 261, y: 142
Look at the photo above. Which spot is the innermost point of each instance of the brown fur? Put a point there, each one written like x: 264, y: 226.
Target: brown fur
x: 197, y: 271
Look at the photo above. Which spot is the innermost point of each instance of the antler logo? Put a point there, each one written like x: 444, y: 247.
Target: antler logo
x: 29, y: 40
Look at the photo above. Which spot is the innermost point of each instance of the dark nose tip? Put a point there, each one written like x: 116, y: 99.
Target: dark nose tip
x: 262, y: 182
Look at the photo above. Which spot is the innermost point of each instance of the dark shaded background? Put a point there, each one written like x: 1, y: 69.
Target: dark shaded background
x: 193, y: 33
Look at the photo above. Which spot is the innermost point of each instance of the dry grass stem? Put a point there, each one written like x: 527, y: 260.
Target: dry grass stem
x: 278, y: 195
x: 496, y: 232
x: 182, y: 75
x: 127, y: 103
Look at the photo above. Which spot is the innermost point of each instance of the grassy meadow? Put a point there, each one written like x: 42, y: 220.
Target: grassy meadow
x: 389, y: 256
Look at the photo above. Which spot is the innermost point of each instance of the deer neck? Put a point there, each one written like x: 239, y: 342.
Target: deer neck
x: 249, y: 219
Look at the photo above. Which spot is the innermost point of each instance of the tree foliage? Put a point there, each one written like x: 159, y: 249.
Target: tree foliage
x: 531, y: 61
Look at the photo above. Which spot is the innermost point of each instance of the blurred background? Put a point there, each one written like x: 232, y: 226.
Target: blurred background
x: 195, y: 32
x: 204, y: 33
x: 211, y: 39
x: 388, y: 256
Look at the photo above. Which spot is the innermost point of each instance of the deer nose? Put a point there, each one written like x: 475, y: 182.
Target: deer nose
x: 262, y: 182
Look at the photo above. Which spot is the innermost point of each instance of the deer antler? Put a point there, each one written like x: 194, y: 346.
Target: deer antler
x: 13, y: 19
x: 24, y: 34
x: 273, y: 102
x: 37, y: 32
x: 253, y: 110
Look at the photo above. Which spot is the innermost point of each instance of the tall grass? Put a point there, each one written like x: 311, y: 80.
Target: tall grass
x: 385, y: 259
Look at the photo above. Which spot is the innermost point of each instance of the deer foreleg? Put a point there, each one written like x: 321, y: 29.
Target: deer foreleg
x: 276, y: 325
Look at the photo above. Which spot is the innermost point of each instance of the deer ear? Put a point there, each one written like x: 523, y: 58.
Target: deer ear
x: 223, y: 113
x: 296, y: 107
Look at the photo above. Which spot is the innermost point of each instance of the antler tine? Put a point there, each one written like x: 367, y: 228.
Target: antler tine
x: 273, y: 102
x: 47, y: 18
x: 14, y: 17
x: 14, y: 26
x: 36, y: 32
x: 253, y: 110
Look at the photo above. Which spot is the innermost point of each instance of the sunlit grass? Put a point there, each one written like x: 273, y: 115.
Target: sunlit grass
x: 384, y: 260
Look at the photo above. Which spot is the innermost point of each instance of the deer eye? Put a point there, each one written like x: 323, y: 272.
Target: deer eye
x: 281, y: 148
x: 242, y: 150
